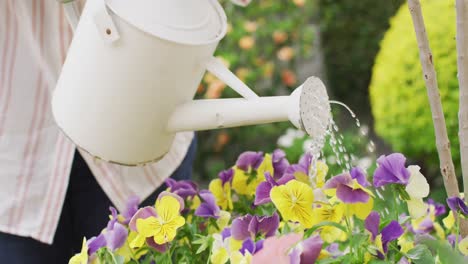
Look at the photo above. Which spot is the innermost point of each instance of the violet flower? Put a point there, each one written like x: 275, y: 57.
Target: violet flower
x: 208, y: 208
x: 457, y: 205
x: 249, y: 226
x: 439, y: 208
x: 262, y: 193
x: 184, y: 188
x: 391, y: 170
x: 226, y: 176
x: 303, y: 166
x: 131, y: 209
x: 280, y: 163
x: 114, y: 236
x: 350, y: 187
x: 144, y: 213
x: 452, y: 239
x: 249, y: 160
x: 389, y: 233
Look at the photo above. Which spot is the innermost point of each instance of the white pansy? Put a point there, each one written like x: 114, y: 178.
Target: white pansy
x: 417, y: 186
x: 417, y: 207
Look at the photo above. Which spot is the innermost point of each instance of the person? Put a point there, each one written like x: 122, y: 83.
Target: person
x: 51, y: 195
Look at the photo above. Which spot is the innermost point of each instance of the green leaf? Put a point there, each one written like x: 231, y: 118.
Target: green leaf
x: 420, y: 254
x: 309, y: 232
x: 446, y: 254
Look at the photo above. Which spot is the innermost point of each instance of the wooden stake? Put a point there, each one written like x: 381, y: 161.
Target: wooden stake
x: 430, y: 77
x: 462, y: 61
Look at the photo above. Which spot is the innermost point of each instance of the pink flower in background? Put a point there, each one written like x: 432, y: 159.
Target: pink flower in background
x: 276, y: 249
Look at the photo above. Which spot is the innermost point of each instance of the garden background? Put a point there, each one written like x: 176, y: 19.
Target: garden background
x: 368, y: 61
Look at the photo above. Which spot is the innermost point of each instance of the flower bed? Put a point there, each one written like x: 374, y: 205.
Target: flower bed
x: 265, y: 209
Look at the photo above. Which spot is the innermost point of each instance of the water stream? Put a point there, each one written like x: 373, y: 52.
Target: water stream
x: 335, y: 140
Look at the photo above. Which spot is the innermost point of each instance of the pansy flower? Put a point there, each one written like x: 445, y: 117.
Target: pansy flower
x: 82, y: 257
x: 300, y: 171
x: 457, y: 205
x: 221, y: 189
x: 130, y: 209
x: 208, y: 208
x: 391, y: 169
x: 280, y: 163
x: 330, y: 212
x: 417, y: 189
x: 350, y: 189
x: 439, y: 209
x: 250, y: 171
x: 389, y: 233
x: 161, y: 223
x: 262, y: 193
x: 294, y: 201
x: 184, y: 188
x: 249, y: 226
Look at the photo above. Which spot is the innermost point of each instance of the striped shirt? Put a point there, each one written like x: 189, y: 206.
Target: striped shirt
x: 35, y: 157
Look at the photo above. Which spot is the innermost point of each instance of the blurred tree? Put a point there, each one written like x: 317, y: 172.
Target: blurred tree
x: 351, y: 31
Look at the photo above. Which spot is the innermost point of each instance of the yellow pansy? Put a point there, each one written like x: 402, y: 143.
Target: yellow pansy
x: 360, y: 210
x: 82, y: 257
x: 331, y: 213
x: 164, y: 227
x: 463, y: 246
x: 322, y: 170
x: 294, y: 201
x: 222, y: 193
x: 221, y: 222
x: 449, y: 221
x: 237, y: 258
x: 245, y: 185
x: 219, y: 256
x: 417, y: 188
x: 405, y: 244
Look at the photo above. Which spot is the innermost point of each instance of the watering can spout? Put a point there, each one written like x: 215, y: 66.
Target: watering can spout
x: 307, y: 108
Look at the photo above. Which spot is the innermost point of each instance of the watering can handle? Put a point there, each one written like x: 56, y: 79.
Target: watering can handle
x: 217, y: 68
x: 101, y: 17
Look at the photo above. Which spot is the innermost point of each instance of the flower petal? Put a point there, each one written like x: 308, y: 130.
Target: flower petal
x: 262, y: 193
x: 417, y: 208
x: 417, y: 185
x: 456, y: 204
x: 391, y: 170
x: 249, y: 160
x: 391, y: 232
x: 167, y: 208
x: 372, y: 223
x: 311, y: 248
x: 265, y: 225
x: 142, y: 213
x: 240, y: 227
x: 358, y: 174
x: 95, y: 243
x: 116, y: 237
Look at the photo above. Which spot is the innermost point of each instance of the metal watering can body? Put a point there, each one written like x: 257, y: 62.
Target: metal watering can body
x: 129, y: 78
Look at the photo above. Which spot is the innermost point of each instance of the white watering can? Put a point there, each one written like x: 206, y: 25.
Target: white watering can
x: 133, y: 68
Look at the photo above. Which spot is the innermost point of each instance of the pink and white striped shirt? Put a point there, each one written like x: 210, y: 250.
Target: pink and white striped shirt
x: 35, y: 157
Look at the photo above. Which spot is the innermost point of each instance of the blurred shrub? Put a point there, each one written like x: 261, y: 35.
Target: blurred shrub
x: 398, y: 93
x: 265, y: 43
x: 351, y: 31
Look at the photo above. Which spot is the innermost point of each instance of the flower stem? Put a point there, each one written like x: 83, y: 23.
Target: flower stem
x: 457, y: 230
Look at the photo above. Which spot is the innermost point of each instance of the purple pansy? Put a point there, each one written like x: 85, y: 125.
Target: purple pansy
x: 452, y: 239
x: 95, y: 243
x: 303, y: 166
x: 142, y: 213
x: 280, y: 163
x: 308, y: 252
x: 184, y: 188
x: 457, y: 205
x: 116, y: 233
x: 226, y: 176
x: 262, y: 193
x: 439, y: 208
x: 114, y: 237
x: 358, y: 174
x: 131, y: 208
x: 249, y: 160
x: 249, y: 226
x: 208, y: 208
x: 345, y: 191
x: 389, y: 233
x: 391, y: 170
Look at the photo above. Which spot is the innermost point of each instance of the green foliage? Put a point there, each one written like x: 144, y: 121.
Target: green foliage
x: 265, y: 42
x: 398, y: 93
x: 351, y: 31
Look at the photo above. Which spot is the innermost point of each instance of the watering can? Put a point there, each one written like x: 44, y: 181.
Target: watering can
x: 132, y: 70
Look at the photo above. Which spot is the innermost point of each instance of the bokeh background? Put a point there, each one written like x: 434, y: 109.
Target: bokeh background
x: 366, y: 53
